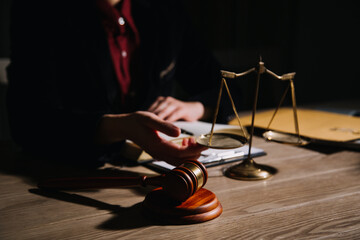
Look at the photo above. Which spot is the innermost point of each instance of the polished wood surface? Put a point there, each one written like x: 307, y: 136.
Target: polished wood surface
x: 314, y: 195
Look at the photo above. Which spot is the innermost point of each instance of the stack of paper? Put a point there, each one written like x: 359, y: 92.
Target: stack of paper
x: 210, y: 157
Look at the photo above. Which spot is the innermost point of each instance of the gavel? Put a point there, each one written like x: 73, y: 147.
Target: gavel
x: 179, y: 184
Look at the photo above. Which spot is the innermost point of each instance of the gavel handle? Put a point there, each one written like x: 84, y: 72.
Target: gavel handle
x: 99, y: 182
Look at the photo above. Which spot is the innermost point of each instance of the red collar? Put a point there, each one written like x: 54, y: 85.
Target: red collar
x: 110, y: 17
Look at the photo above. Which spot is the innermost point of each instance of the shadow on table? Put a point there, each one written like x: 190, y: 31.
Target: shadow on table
x: 123, y: 217
x: 32, y: 170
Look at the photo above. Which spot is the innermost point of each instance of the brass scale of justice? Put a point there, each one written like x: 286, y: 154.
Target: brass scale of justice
x: 248, y: 169
x: 180, y: 197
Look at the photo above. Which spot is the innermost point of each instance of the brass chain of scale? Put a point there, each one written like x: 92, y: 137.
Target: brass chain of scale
x: 223, y: 82
x: 293, y: 99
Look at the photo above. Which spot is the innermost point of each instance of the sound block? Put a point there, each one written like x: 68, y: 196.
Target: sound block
x: 200, y: 207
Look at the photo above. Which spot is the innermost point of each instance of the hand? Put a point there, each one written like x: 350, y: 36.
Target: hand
x: 142, y: 128
x: 171, y: 109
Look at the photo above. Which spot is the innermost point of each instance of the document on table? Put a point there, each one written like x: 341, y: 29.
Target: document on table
x: 213, y: 157
x: 210, y: 157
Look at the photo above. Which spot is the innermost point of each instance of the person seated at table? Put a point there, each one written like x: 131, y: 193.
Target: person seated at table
x: 87, y: 75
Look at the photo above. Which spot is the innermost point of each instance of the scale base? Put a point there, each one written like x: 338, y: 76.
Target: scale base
x: 200, y: 207
x: 250, y: 171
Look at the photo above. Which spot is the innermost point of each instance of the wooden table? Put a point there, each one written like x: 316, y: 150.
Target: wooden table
x: 314, y: 195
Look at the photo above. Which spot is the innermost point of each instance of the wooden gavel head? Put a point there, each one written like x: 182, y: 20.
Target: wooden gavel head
x: 183, y: 181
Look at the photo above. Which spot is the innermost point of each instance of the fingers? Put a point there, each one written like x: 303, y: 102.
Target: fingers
x: 185, y: 154
x: 176, y: 154
x: 192, y: 150
x: 155, y: 104
x: 189, y: 141
x: 158, y: 105
x: 167, y: 112
x: 168, y: 108
x: 147, y: 124
x: 171, y: 109
x: 189, y: 150
x: 158, y: 124
x: 175, y: 115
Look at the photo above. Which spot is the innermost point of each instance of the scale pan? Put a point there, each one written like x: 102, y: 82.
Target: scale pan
x: 222, y: 140
x: 284, y: 138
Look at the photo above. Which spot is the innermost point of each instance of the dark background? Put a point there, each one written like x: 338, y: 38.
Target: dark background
x: 319, y: 40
